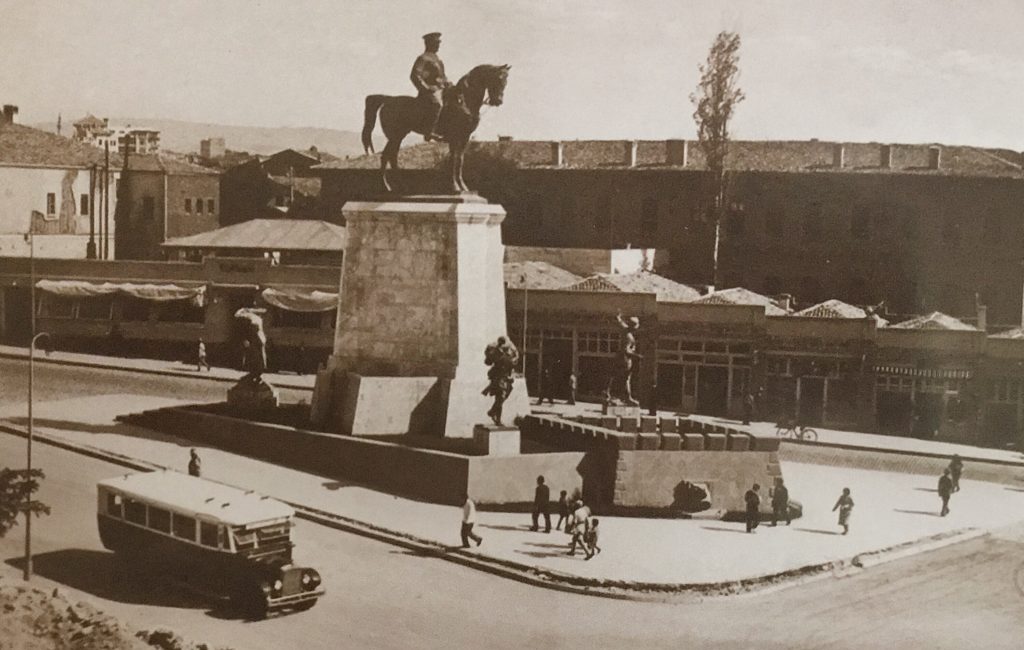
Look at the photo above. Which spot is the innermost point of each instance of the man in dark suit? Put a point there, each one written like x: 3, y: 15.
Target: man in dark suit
x: 780, y: 502
x: 945, y: 491
x: 753, y: 499
x: 541, y: 505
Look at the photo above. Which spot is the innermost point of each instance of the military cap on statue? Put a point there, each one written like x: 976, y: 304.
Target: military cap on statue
x: 432, y: 36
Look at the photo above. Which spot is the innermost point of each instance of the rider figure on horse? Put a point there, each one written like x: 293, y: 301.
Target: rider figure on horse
x: 430, y: 81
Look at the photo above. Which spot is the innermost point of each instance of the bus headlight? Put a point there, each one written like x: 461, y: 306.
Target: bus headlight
x: 310, y: 580
x: 278, y: 585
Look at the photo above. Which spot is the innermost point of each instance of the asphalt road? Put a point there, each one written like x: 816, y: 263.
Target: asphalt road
x: 380, y: 596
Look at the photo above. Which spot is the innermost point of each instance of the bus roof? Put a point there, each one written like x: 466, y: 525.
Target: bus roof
x: 199, y: 497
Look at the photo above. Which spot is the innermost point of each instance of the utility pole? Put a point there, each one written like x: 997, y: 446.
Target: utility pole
x: 105, y: 230
x: 90, y: 248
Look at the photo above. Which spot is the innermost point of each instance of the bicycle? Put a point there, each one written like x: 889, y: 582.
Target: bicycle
x: 796, y: 431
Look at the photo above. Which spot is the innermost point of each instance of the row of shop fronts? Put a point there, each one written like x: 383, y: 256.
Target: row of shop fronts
x: 959, y: 384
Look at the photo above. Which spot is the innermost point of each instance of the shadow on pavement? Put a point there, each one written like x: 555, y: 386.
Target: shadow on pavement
x: 69, y: 425
x: 525, y: 527
x: 930, y: 513
x: 819, y: 531
x: 932, y: 490
x: 725, y: 530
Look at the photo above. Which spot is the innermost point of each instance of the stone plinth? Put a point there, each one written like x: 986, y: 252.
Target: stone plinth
x: 422, y: 295
x: 252, y: 396
x: 496, y: 441
x: 621, y: 410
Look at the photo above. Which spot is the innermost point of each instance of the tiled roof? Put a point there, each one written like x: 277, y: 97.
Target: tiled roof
x: 89, y: 120
x: 162, y: 162
x: 935, y: 321
x: 838, y: 309
x: 744, y: 155
x: 537, y: 275
x: 269, y: 235
x: 741, y: 296
x: 640, y: 282
x: 23, y: 145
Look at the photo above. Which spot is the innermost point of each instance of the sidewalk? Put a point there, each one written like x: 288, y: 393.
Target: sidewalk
x: 891, y: 508
x: 155, y: 366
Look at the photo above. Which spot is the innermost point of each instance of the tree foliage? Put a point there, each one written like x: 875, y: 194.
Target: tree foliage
x: 16, y: 489
x: 715, y: 101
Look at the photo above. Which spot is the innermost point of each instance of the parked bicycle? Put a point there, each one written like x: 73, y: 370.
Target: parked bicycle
x: 795, y: 431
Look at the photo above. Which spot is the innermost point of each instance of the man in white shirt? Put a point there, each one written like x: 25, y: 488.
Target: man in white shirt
x: 468, y: 519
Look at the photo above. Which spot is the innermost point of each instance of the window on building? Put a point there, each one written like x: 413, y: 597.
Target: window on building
x: 148, y: 207
x: 54, y: 306
x: 188, y: 206
x: 210, y: 206
x: 649, y: 215
x: 812, y: 222
x: 83, y: 204
x: 51, y: 204
x: 302, y: 319
x: 134, y: 309
x: 95, y: 307
x: 199, y: 206
x: 690, y: 381
x: 179, y: 311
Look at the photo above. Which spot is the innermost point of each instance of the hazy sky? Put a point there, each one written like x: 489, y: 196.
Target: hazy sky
x: 942, y: 70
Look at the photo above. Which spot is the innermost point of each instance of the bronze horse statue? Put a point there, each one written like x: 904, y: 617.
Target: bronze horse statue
x: 401, y: 115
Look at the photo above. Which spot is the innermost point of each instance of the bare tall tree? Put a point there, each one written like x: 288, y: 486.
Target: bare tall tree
x: 715, y: 101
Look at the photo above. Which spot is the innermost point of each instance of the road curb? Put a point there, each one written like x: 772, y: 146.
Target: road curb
x: 902, y: 452
x: 555, y: 580
x: 146, y: 371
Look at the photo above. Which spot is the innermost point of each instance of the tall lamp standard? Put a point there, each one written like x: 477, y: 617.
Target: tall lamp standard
x: 30, y: 238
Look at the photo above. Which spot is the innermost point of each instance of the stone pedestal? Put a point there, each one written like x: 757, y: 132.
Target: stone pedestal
x: 252, y: 396
x: 621, y: 410
x: 422, y: 295
x: 496, y: 441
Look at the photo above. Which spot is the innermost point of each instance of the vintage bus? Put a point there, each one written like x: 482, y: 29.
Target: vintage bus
x: 213, y: 537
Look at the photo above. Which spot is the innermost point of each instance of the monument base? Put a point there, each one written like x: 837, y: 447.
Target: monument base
x: 252, y: 395
x: 362, y: 405
x: 621, y: 410
x: 493, y: 440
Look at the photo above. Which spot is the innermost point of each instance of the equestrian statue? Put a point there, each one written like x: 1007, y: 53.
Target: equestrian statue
x: 441, y: 111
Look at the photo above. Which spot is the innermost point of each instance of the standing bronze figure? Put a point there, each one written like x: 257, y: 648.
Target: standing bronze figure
x: 627, y: 355
x: 502, y: 357
x: 254, y: 344
x: 441, y: 111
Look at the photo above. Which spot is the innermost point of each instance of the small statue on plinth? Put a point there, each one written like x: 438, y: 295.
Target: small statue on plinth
x: 252, y: 390
x: 624, y: 368
x: 502, y: 357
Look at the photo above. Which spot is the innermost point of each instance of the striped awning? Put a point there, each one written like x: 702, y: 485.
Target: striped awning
x: 928, y: 373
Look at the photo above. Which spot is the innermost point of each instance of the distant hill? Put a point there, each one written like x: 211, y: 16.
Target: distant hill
x: 184, y: 137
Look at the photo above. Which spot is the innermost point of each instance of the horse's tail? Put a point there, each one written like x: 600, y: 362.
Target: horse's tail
x: 373, y: 104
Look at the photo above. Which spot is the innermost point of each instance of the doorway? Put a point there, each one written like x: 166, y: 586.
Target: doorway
x: 712, y: 390
x: 556, y: 367
x: 812, y: 400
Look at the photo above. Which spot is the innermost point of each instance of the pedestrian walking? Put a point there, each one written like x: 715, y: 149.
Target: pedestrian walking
x: 945, y: 491
x: 956, y: 468
x: 194, y: 464
x: 468, y: 519
x: 541, y: 505
x: 748, y: 407
x: 545, y: 387
x: 201, y: 357
x: 580, y: 524
x: 572, y: 388
x: 563, y: 511
x: 753, y: 499
x: 845, y: 506
x: 780, y: 502
x: 590, y: 539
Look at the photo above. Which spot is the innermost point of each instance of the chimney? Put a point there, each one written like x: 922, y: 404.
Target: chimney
x: 10, y: 110
x: 784, y: 301
x: 838, y: 155
x: 557, y: 154
x: 982, y: 317
x: 677, y: 152
x: 934, y: 157
x: 630, y: 153
x: 885, y: 156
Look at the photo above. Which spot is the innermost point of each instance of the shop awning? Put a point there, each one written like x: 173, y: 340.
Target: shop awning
x: 929, y: 373
x: 157, y: 292
x: 305, y: 300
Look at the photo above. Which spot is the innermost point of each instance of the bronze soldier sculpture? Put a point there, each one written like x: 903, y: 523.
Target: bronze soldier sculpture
x: 627, y: 354
x: 430, y: 81
x: 440, y: 111
x: 502, y: 357
x: 254, y: 345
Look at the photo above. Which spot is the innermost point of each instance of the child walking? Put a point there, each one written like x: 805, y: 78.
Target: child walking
x: 845, y: 506
x: 563, y: 510
x: 590, y: 546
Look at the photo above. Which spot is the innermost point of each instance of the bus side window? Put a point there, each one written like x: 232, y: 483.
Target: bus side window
x: 184, y: 527
x: 208, y: 534
x: 135, y: 512
x: 159, y: 519
x: 114, y: 505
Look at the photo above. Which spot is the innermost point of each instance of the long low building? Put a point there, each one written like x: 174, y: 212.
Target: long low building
x: 831, y: 364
